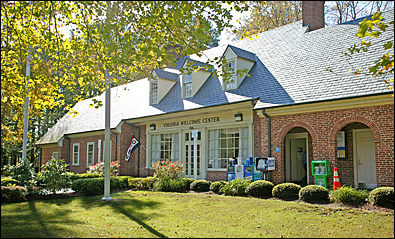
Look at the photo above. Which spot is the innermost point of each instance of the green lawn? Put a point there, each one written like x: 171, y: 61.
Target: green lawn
x: 159, y: 214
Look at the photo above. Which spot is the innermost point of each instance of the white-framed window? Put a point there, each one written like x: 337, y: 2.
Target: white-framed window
x: 226, y: 143
x: 231, y: 84
x: 187, y: 85
x: 76, y: 154
x: 164, y: 146
x: 90, y: 153
x: 55, y: 155
x: 154, y: 91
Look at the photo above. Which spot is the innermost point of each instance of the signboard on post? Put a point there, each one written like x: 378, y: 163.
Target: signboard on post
x: 194, y: 133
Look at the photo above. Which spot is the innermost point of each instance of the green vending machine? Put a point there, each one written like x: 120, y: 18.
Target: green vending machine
x: 321, y: 170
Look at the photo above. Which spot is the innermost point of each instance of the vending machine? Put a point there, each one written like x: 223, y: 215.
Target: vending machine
x: 248, y: 168
x: 239, y: 169
x: 321, y: 170
x: 230, y: 169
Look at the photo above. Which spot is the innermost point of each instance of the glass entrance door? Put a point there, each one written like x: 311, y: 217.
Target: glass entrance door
x: 189, y: 154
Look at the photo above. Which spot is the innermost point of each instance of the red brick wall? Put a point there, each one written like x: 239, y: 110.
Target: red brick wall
x: 46, y: 154
x: 323, y: 128
x: 217, y: 176
x: 131, y: 168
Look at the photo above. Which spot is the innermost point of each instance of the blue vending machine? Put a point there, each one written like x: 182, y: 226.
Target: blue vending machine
x: 230, y: 169
x: 248, y: 168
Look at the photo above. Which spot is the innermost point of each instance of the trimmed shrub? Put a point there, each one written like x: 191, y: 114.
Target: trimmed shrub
x: 314, y: 193
x: 148, y: 183
x: 200, y: 186
x: 189, y: 181
x: 6, y: 181
x: 13, y: 193
x: 171, y: 185
x: 286, y: 191
x: 235, y: 187
x: 93, y: 186
x: 349, y: 196
x: 216, y: 186
x: 260, y: 188
x: 74, y: 176
x: 382, y: 196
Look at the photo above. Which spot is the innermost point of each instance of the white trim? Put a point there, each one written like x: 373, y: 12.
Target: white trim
x: 87, y: 153
x: 78, y: 157
x: 53, y: 155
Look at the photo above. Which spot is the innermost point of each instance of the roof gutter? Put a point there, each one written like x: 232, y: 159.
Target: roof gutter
x: 322, y: 101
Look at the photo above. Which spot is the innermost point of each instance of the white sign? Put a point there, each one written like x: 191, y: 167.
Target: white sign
x: 194, y: 133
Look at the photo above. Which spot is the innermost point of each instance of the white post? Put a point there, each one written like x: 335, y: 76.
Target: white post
x: 195, y: 168
x: 107, y: 140
x: 26, y: 116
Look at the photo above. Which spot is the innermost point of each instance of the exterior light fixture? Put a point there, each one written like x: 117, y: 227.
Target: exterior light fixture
x: 153, y: 127
x: 238, y: 117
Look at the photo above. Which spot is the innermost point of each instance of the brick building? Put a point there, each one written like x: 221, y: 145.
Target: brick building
x: 289, y: 105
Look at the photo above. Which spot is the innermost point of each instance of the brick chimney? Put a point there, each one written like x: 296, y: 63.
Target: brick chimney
x: 313, y: 14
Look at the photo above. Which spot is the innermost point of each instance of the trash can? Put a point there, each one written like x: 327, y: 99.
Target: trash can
x: 321, y: 170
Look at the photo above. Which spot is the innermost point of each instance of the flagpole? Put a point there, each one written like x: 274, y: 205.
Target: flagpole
x: 107, y: 140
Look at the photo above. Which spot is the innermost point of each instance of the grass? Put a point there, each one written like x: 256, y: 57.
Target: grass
x: 141, y: 214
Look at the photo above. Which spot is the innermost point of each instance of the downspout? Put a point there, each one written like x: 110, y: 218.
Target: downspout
x: 269, y: 137
x: 138, y: 149
x: 116, y: 140
x: 268, y: 177
x: 68, y: 154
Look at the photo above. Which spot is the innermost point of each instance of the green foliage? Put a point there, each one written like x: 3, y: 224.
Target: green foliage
x: 171, y: 185
x: 286, y: 191
x: 6, y: 170
x: 6, y: 180
x: 314, y: 193
x: 200, y: 186
x: 235, y: 187
x: 23, y: 172
x: 216, y: 186
x: 382, y: 196
x: 74, y: 176
x: 260, y: 188
x: 54, y: 175
x: 142, y: 183
x: 93, y: 186
x: 98, y: 169
x: 165, y: 169
x: 349, y: 196
x: 13, y: 193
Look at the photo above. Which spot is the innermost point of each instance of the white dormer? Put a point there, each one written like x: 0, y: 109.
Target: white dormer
x: 191, y: 83
x: 160, y: 84
x: 236, y: 59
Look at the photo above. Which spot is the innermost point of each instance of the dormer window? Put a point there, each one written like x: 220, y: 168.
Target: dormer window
x: 231, y: 84
x: 154, y: 91
x: 188, y: 85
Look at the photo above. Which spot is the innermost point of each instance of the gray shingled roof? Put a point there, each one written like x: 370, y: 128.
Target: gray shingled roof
x: 243, y: 53
x: 290, y: 68
x: 166, y: 75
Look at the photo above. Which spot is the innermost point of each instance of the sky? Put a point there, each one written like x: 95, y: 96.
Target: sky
x: 236, y: 16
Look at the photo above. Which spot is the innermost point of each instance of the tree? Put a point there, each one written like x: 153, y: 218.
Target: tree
x: 342, y: 11
x: 268, y: 15
x: 123, y: 37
